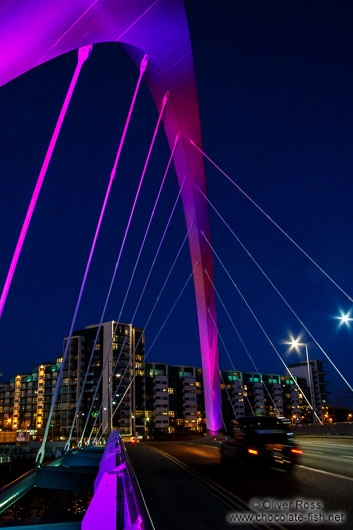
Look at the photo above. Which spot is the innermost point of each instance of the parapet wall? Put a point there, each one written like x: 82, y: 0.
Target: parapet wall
x: 326, y: 429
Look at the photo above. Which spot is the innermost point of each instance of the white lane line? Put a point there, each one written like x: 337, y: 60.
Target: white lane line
x: 205, y: 445
x: 316, y: 452
x: 327, y: 473
x: 347, y: 456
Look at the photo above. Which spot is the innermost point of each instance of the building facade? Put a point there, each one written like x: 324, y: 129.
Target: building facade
x: 149, y: 400
x: 174, y: 401
x: 117, y: 357
x: 117, y: 352
x: 313, y: 383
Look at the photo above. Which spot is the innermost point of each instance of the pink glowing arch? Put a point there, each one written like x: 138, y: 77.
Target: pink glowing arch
x: 35, y: 31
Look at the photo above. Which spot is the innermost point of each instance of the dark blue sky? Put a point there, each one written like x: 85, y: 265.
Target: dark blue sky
x: 275, y: 88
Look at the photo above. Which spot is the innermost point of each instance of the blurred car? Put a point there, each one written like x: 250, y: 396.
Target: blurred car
x: 261, y: 440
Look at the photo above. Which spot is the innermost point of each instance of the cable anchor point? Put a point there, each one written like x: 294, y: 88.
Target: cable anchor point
x: 84, y: 52
x: 165, y: 99
x: 144, y: 64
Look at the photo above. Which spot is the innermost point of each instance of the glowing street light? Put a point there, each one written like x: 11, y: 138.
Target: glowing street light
x: 296, y: 344
x: 345, y: 318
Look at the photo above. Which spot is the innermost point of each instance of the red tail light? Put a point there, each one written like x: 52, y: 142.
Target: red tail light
x: 297, y: 451
x: 253, y: 451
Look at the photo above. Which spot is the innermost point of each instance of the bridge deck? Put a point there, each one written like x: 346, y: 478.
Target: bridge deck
x: 185, y: 486
x: 174, y: 497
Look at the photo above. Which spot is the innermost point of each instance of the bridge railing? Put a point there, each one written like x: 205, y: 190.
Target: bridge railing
x: 329, y: 429
x: 117, y: 502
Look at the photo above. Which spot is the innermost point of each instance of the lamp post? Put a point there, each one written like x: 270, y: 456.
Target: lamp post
x: 147, y: 419
x: 111, y: 396
x: 294, y: 343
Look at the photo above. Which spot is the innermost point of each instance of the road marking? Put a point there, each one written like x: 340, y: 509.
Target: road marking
x: 316, y: 452
x: 327, y: 473
x: 228, y: 498
x: 347, y: 456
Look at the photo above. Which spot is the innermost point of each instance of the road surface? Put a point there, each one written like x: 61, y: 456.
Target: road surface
x: 186, y: 487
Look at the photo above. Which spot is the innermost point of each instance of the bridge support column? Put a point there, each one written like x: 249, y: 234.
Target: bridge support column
x: 195, y: 209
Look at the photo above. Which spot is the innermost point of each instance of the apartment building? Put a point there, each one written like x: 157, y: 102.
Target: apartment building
x: 246, y: 393
x: 149, y: 400
x: 6, y: 405
x: 117, y: 352
x: 173, y: 399
x: 26, y: 399
x: 314, y: 385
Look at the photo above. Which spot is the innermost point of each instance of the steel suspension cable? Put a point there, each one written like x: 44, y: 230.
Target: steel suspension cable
x: 164, y: 102
x: 219, y: 404
x: 158, y: 250
x: 230, y: 401
x: 147, y: 229
x: 220, y: 372
x: 171, y: 310
x: 139, y: 255
x: 96, y: 436
x: 138, y: 304
x: 156, y: 337
x: 154, y: 307
x: 148, y: 276
x: 41, y: 452
x: 254, y: 203
x: 276, y: 289
x: 241, y: 340
x: 229, y: 357
x: 131, y: 280
x: 144, y: 362
x: 259, y: 323
x: 83, y: 54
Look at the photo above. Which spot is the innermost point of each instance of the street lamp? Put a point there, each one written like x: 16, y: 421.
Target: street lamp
x: 296, y: 344
x: 345, y: 318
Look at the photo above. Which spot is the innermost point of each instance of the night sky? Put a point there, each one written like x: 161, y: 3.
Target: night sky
x: 275, y: 87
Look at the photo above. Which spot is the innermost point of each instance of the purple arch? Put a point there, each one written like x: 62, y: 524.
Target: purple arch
x: 37, y: 31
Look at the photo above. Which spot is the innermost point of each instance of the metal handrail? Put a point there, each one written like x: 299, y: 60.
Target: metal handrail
x: 117, y: 483
x: 136, y: 493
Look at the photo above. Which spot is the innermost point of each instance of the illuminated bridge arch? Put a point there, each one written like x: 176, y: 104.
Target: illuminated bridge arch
x: 35, y: 31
